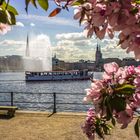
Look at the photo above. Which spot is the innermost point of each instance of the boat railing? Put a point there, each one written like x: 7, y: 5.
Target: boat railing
x: 51, y: 102
x: 72, y: 72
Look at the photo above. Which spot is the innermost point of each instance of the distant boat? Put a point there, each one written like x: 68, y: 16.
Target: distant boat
x: 57, y: 75
x: 54, y: 75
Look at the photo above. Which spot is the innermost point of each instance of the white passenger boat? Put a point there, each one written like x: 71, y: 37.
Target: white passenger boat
x: 57, y: 75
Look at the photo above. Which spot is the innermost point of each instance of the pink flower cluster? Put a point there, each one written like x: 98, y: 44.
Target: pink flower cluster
x: 4, y: 28
x: 117, y: 95
x: 88, y: 127
x: 105, y: 16
x: 109, y: 16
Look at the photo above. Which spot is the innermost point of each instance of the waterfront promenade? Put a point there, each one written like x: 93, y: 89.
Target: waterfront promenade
x: 60, y: 126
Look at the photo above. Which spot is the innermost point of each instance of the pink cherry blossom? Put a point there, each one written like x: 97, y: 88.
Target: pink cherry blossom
x: 125, y: 117
x: 77, y: 14
x: 131, y: 70
x: 100, y: 33
x: 4, y: 28
x: 137, y: 81
x: 136, y: 101
x: 119, y: 73
x: 91, y: 112
x: 124, y: 73
x: 137, y: 69
x: 97, y: 85
x: 107, y: 76
x: 88, y: 127
x: 115, y: 84
x: 119, y: 16
x: 92, y: 95
x: 111, y: 68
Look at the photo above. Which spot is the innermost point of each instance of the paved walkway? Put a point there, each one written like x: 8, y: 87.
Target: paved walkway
x: 60, y: 126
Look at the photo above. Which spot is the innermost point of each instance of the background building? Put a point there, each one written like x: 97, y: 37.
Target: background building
x: 16, y: 63
x: 98, y: 59
x: 11, y: 63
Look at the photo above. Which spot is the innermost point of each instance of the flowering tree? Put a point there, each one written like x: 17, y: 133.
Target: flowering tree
x: 117, y: 96
x: 109, y: 16
x: 100, y: 17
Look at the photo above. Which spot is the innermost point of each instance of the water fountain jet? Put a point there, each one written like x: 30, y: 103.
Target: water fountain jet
x: 38, y: 55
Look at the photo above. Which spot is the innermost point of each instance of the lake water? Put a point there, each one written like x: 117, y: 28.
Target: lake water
x: 34, y: 95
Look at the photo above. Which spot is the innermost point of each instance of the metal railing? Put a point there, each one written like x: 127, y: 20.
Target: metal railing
x: 54, y: 102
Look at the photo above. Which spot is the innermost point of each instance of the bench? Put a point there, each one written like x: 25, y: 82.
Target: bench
x: 10, y: 110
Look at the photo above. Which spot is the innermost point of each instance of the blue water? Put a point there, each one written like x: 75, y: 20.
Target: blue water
x: 67, y: 92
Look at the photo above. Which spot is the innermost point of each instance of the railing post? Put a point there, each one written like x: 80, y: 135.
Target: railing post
x: 54, y: 102
x: 11, y: 98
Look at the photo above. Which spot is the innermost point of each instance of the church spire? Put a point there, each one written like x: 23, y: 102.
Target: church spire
x: 97, y: 47
x: 27, y: 47
x: 98, y: 55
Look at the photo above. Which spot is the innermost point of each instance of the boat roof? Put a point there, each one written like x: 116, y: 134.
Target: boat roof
x: 58, y: 71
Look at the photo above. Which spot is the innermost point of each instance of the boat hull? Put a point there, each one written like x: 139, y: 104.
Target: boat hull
x: 57, y: 76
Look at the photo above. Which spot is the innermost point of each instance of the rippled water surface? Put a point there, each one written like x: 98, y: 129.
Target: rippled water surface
x: 14, y: 82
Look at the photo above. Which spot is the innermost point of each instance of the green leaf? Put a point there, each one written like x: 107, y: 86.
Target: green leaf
x: 109, y: 114
x: 27, y: 3
x: 1, y: 2
x: 3, y: 17
x: 34, y: 3
x: 78, y: 2
x: 108, y: 107
x: 9, y: 8
x: 13, y: 19
x: 99, y: 131
x: 118, y: 103
x: 43, y: 4
x: 109, y: 126
x: 137, y: 1
x: 136, y: 128
x: 125, y: 89
x: 105, y: 129
x: 113, y: 121
x: 134, y: 11
x: 12, y: 9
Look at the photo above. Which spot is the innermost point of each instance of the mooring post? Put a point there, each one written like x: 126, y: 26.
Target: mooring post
x: 11, y: 98
x: 54, y: 102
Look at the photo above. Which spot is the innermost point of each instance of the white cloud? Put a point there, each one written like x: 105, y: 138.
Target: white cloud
x: 70, y: 36
x: 79, y: 47
x: 43, y: 37
x: 72, y: 53
x: 32, y: 24
x: 65, y: 43
x: 39, y: 46
x: 51, y: 21
x: 11, y: 43
x: 20, y: 24
x: 69, y: 47
x: 112, y: 50
x: 74, y: 46
x: 10, y: 47
x: 75, y: 39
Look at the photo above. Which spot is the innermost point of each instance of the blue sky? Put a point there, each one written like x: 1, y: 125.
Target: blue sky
x: 63, y: 32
